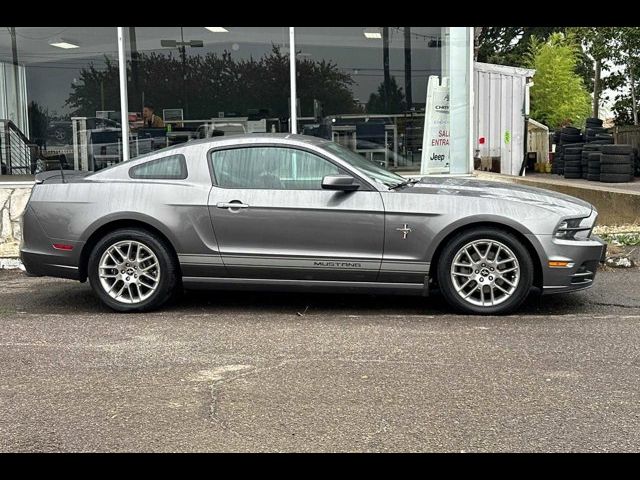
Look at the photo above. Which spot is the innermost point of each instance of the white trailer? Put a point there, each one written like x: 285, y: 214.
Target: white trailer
x: 501, y: 105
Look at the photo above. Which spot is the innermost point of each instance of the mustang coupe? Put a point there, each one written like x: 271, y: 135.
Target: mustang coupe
x: 290, y: 212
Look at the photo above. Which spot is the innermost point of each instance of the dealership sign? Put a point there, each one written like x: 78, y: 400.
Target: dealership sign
x: 435, y: 142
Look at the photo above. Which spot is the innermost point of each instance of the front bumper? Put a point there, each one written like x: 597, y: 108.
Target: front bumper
x: 583, y: 259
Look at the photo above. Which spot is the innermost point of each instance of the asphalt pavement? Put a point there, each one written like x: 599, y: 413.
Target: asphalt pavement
x: 221, y: 371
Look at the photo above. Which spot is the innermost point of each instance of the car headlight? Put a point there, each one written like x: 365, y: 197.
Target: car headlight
x: 576, y: 228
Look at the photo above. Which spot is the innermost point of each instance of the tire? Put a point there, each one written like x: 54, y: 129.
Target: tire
x: 615, y: 159
x: 573, y: 175
x: 618, y: 149
x: 514, y: 249
x: 615, y: 178
x: 570, y: 131
x: 593, y: 177
x: 564, y: 138
x: 572, y: 158
x: 615, y: 169
x: 166, y: 272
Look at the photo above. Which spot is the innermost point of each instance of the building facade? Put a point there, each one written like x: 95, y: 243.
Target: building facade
x: 65, y: 88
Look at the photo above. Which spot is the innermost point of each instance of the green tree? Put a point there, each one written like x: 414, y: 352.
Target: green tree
x: 509, y: 46
x: 215, y: 82
x: 379, y: 103
x: 597, y: 44
x: 38, y: 122
x: 558, y: 92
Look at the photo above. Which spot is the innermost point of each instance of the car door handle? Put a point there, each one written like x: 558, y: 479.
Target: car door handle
x: 232, y: 205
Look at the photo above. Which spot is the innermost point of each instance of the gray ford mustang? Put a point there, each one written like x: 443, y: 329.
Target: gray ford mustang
x: 289, y: 212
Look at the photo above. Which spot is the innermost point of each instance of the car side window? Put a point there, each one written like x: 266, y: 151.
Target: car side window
x: 173, y: 167
x: 276, y: 168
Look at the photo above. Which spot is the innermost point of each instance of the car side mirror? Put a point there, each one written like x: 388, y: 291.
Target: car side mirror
x: 345, y: 183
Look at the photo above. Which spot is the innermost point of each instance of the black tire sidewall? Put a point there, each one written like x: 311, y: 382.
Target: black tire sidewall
x: 455, y: 244
x: 168, y: 271
x: 615, y: 178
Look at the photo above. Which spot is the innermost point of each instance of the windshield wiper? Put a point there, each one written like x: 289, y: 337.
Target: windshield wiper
x: 409, y: 181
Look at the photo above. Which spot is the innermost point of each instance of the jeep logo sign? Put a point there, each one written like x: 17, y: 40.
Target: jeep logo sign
x: 435, y: 143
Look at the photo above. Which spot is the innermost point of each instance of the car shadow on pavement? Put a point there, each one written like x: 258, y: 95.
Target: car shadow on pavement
x: 22, y: 294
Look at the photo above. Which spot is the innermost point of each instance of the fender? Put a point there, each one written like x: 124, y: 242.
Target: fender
x: 467, y: 222
x: 128, y: 215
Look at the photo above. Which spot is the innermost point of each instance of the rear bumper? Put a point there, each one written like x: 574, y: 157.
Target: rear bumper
x: 40, y: 265
x: 584, y: 258
x: 38, y: 255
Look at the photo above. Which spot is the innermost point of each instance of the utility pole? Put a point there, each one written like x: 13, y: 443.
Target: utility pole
x: 407, y: 67
x: 183, y: 54
x: 596, y: 88
x: 385, y: 63
x: 135, y: 80
x: 634, y: 105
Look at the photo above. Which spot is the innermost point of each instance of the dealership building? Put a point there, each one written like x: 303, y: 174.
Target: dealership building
x: 75, y: 97
x: 64, y: 89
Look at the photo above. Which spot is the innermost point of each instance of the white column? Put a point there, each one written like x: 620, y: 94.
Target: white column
x: 124, y: 99
x: 292, y: 77
x: 459, y: 69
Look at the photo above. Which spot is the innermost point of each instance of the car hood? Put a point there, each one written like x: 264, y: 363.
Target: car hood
x: 531, y: 196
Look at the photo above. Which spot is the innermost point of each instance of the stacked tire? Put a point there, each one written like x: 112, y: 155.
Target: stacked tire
x: 573, y: 161
x: 604, y: 139
x: 593, y: 166
x: 570, y: 135
x: 593, y: 128
x: 616, y: 164
x: 587, y: 150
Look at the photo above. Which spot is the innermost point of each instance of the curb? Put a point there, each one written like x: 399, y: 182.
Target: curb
x: 10, y: 263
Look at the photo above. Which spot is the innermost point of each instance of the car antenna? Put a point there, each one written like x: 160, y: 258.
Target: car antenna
x: 61, y: 170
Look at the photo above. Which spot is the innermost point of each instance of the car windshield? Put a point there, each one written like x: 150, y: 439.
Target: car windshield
x: 367, y: 167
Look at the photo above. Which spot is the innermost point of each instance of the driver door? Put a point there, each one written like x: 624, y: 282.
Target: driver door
x: 273, y: 220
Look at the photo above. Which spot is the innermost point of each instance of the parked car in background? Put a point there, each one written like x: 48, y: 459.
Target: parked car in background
x: 290, y: 212
x: 60, y: 132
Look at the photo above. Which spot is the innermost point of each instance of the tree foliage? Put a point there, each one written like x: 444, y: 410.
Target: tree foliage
x: 215, y: 83
x: 379, y: 103
x: 510, y: 45
x: 558, y: 93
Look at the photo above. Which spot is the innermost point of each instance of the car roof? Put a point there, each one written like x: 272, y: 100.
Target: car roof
x: 252, y: 138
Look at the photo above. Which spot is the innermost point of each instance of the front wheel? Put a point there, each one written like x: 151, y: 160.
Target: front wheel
x: 486, y: 271
x: 132, y: 270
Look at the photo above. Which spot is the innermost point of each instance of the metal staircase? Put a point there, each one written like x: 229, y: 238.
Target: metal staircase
x: 18, y: 154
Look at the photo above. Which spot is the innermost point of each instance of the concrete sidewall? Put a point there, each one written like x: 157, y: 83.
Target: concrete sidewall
x: 13, y: 201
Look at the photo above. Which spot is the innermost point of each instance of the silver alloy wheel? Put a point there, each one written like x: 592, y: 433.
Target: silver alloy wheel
x: 129, y: 272
x: 485, y: 273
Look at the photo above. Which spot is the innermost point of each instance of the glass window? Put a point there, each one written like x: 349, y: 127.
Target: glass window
x: 172, y: 167
x: 270, y: 168
x: 373, y: 89
x: 366, y: 88
x: 186, y: 83
x: 61, y: 94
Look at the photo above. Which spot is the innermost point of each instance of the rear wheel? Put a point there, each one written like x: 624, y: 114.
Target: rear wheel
x: 487, y: 271
x: 132, y: 270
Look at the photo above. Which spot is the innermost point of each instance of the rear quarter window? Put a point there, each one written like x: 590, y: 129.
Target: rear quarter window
x: 173, y: 167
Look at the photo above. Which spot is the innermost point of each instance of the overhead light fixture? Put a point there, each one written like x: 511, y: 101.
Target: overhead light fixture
x: 217, y: 29
x: 372, y: 34
x: 62, y: 43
